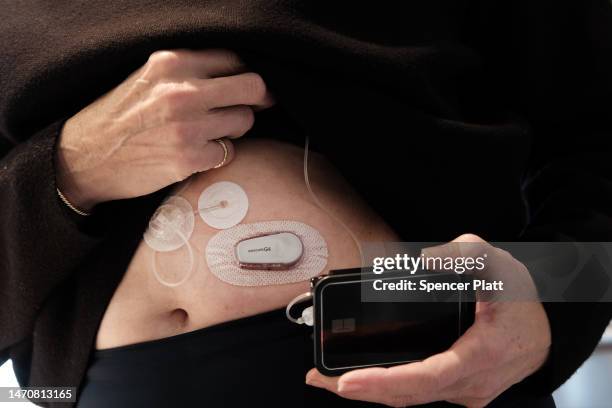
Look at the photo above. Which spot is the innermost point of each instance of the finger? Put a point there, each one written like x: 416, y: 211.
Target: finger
x: 415, y: 383
x: 232, y: 122
x: 422, y: 382
x: 214, y: 156
x: 496, y: 265
x: 464, y: 245
x: 316, y: 379
x: 217, y: 62
x: 408, y: 384
x: 243, y: 89
x: 228, y: 152
x: 187, y: 150
x: 181, y: 63
x: 269, y: 102
x: 194, y: 99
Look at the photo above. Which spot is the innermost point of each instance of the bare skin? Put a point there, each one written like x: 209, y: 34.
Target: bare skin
x: 271, y: 173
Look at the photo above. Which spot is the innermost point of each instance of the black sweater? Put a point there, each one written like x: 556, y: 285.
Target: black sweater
x: 449, y: 116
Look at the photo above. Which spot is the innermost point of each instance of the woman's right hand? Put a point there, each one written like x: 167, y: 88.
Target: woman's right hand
x: 158, y: 126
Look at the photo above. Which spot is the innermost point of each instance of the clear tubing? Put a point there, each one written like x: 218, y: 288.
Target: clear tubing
x: 191, y: 264
x: 318, y: 203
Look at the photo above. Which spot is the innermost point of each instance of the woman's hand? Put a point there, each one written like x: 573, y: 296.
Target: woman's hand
x: 508, y: 341
x: 158, y: 127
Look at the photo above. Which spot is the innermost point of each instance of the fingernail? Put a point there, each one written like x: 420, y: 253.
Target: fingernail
x: 349, y: 387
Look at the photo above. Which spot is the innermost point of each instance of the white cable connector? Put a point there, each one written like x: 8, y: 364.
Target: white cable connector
x: 307, y: 317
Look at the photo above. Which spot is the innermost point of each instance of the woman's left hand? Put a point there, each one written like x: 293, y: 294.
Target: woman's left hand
x: 508, y: 341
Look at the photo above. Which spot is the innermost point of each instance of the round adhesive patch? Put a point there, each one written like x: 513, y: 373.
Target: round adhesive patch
x: 223, y: 205
x: 171, y: 225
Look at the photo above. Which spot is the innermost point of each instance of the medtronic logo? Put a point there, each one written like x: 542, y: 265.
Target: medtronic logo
x: 264, y: 249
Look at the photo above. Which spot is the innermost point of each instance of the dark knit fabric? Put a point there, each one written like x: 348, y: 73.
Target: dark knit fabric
x: 448, y: 116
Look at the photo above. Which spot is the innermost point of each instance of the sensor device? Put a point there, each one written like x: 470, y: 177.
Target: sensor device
x: 272, y: 252
x: 267, y: 253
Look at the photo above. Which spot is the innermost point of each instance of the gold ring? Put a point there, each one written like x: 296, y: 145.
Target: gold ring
x: 225, y: 153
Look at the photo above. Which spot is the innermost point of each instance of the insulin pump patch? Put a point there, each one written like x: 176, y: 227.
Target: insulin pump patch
x: 171, y: 226
x: 267, y: 253
x: 170, y: 229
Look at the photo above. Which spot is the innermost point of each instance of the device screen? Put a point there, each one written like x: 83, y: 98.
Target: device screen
x: 356, y: 333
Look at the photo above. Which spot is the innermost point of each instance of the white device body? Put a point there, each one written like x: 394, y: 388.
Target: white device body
x: 274, y: 251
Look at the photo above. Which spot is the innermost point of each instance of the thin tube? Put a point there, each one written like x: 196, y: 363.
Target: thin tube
x: 191, y: 265
x: 318, y: 203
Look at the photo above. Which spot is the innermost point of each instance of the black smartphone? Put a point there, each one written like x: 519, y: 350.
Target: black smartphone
x: 351, y: 333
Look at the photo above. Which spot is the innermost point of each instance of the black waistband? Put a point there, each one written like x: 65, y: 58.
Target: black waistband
x: 249, y: 330
x: 259, y: 360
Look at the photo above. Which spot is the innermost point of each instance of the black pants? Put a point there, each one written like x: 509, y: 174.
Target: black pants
x: 255, y: 361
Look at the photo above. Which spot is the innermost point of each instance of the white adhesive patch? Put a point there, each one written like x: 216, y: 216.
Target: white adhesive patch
x: 223, y: 205
x: 222, y: 261
x: 171, y: 225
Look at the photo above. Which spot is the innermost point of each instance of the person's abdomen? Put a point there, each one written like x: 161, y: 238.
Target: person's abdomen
x: 271, y: 173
